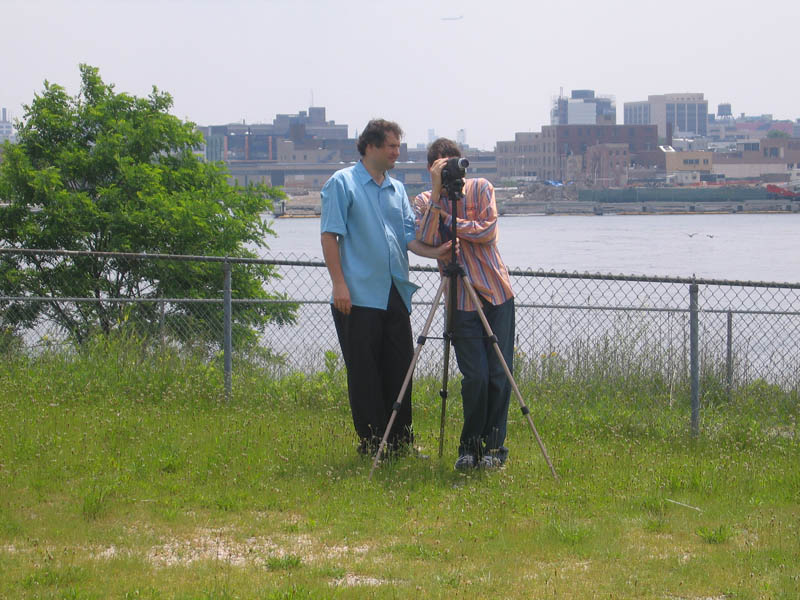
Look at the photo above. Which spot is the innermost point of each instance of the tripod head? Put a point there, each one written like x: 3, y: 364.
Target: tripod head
x: 453, y: 174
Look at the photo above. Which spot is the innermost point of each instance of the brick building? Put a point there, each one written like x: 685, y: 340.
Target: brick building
x: 753, y: 159
x: 546, y: 154
x: 519, y: 158
x: 562, y: 141
x: 606, y: 165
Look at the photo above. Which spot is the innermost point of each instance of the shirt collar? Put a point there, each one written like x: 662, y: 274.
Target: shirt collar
x: 363, y: 177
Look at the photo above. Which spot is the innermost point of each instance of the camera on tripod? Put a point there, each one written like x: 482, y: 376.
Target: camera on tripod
x: 454, y: 170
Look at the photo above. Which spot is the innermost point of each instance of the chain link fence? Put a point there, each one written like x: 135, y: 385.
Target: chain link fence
x: 679, y: 331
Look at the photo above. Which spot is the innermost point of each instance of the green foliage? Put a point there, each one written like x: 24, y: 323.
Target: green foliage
x: 283, y: 563
x: 95, y: 502
x: 110, y: 172
x: 54, y: 576
x: 715, y: 535
x: 777, y: 133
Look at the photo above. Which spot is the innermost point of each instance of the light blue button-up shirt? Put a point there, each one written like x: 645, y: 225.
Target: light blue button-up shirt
x: 374, y: 224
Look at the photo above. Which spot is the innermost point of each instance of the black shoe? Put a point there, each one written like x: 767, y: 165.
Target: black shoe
x: 367, y: 448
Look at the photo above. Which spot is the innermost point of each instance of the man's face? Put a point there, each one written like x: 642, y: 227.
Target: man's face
x: 385, y: 156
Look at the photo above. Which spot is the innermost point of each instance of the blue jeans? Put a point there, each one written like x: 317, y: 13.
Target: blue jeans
x: 485, y: 388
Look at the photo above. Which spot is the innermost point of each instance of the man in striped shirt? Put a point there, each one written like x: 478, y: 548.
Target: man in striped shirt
x: 485, y: 388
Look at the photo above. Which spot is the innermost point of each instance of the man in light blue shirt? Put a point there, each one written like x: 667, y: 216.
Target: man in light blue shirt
x: 367, y: 227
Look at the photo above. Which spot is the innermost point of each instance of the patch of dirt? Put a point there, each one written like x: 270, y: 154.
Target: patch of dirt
x: 351, y: 580
x: 217, y: 545
x: 209, y: 545
x: 107, y: 553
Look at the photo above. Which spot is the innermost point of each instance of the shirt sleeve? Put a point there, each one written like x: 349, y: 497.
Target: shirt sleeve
x: 335, y: 201
x: 409, y: 222
x: 480, y: 226
x: 427, y: 221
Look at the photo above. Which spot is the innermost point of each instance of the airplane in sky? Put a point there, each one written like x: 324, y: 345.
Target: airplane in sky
x: 458, y: 18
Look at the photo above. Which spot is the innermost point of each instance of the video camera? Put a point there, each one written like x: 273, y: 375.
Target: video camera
x: 454, y: 169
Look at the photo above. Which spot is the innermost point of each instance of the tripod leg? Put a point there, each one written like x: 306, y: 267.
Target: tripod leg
x: 449, y: 303
x: 443, y: 394
x: 523, y: 407
x: 420, y: 341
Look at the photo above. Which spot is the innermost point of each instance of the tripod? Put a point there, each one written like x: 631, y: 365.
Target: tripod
x: 451, y: 272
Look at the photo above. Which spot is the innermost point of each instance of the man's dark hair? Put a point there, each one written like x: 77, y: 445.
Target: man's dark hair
x: 442, y: 148
x: 375, y: 134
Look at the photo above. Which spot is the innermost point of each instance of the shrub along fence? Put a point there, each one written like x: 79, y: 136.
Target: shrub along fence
x: 674, y: 332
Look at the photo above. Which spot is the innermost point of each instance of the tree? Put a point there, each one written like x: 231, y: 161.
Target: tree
x: 777, y: 133
x: 110, y: 172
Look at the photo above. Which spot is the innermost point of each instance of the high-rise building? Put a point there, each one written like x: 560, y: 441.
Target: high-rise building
x: 6, y: 128
x: 583, y: 108
x: 688, y: 113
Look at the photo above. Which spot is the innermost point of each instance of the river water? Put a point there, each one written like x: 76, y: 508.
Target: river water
x: 749, y: 247
x: 603, y: 322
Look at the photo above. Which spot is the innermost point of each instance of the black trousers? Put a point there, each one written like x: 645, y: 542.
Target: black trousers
x: 377, y: 349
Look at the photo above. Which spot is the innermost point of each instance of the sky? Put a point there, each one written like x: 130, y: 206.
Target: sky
x: 490, y: 67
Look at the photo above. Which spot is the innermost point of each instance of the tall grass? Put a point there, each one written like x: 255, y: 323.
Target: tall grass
x: 124, y: 473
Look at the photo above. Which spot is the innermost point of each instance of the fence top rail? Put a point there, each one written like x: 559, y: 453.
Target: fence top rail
x: 138, y: 256
x: 653, y: 279
x: 424, y: 269
x: 247, y: 301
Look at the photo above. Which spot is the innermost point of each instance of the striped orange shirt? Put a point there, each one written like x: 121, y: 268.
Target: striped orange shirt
x: 476, y: 227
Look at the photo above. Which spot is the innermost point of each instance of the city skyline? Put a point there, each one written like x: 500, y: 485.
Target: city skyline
x: 492, y: 73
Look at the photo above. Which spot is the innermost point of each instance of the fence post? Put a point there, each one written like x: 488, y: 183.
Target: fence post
x: 729, y: 357
x: 162, y: 315
x: 694, y: 357
x: 227, y: 329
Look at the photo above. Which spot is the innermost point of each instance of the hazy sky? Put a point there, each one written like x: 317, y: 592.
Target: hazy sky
x: 492, y: 71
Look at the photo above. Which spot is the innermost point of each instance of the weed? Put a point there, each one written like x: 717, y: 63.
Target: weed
x: 293, y: 593
x: 95, y: 502
x: 717, y: 535
x: 283, y: 563
x: 570, y: 532
x: 55, y: 576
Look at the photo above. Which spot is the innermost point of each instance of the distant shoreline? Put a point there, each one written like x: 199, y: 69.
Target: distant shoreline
x: 576, y: 207
x: 610, y: 213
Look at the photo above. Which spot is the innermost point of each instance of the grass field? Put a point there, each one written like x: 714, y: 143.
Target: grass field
x: 123, y: 475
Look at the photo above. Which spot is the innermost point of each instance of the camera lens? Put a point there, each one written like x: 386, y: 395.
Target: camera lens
x: 463, y: 163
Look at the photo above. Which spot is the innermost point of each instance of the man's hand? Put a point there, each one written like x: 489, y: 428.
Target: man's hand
x: 341, y: 298
x: 436, y: 177
x: 341, y: 293
x: 441, y: 252
x: 444, y: 252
